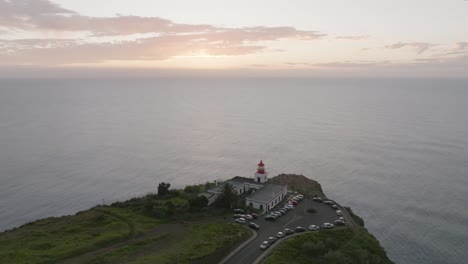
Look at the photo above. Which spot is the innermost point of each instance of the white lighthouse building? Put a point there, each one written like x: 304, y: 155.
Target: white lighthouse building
x: 261, y: 176
x: 258, y: 192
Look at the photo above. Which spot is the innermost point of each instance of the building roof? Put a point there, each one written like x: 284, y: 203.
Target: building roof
x: 267, y: 193
x: 242, y: 179
x: 234, y: 182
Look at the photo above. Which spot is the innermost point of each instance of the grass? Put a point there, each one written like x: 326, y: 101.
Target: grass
x: 337, y: 246
x: 299, y: 183
x: 199, y: 243
x: 57, y: 239
x: 357, y: 219
x: 52, y: 239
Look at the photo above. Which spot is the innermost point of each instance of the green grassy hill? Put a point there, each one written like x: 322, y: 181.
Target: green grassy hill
x: 336, y: 246
x: 149, y: 229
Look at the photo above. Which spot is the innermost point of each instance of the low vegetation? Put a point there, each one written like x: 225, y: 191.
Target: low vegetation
x: 337, y: 246
x: 52, y: 239
x: 200, y: 243
x: 131, y: 223
x: 357, y: 219
x: 299, y: 183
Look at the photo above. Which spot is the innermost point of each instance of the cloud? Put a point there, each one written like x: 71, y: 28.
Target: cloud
x: 461, y: 45
x: 232, y: 42
x: 163, y: 38
x: 45, y: 15
x: 420, y: 46
x: 353, y: 37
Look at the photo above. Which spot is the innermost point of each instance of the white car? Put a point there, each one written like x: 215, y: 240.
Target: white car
x: 276, y: 214
x: 314, y: 228
x: 338, y: 212
x: 248, y: 217
x: 327, y: 225
x: 264, y: 245
x: 328, y: 202
x: 241, y: 220
x: 280, y: 235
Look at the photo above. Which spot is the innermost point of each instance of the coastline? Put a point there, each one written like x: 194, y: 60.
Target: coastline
x: 137, y: 226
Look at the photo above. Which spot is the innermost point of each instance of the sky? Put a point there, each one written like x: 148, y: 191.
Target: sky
x: 275, y: 37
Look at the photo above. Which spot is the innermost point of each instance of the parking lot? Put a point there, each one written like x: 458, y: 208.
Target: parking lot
x: 297, y: 217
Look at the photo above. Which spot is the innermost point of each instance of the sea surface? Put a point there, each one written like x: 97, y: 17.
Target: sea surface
x: 396, y: 151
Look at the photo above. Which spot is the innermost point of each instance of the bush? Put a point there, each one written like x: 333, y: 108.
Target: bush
x: 198, y: 202
x: 358, y: 220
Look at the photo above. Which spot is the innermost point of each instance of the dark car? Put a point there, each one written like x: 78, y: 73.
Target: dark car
x: 239, y: 211
x: 254, y: 226
x: 254, y: 215
x: 334, y: 206
x: 299, y: 229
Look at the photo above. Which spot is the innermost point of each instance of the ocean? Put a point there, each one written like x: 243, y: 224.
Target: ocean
x: 396, y: 151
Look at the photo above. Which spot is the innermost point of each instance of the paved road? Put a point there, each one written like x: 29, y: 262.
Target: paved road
x: 294, y: 218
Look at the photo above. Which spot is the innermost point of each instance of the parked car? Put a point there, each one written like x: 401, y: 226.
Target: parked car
x: 328, y: 202
x: 276, y: 214
x: 338, y: 212
x: 272, y: 240
x: 327, y: 225
x: 342, y: 219
x: 340, y: 222
x: 283, y: 211
x: 254, y: 226
x: 299, y: 229
x: 238, y: 216
x: 264, y: 245
x: 294, y: 202
x: 288, y: 231
x: 280, y: 213
x: 254, y: 215
x: 314, y: 228
x: 270, y: 218
x: 317, y: 199
x: 241, y: 220
x: 248, y: 217
x: 290, y: 206
x: 239, y: 211
x: 280, y: 235
x: 334, y: 206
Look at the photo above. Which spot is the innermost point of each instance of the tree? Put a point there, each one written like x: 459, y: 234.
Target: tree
x: 228, y: 197
x: 163, y: 189
x: 198, y: 202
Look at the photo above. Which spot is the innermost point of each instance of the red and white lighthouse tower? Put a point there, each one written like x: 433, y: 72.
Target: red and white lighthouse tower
x: 261, y: 176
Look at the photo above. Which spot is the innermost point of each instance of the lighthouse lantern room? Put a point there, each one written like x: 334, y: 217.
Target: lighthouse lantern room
x: 261, y: 175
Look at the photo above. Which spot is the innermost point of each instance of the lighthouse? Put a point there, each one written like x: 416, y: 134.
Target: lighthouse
x: 261, y: 175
